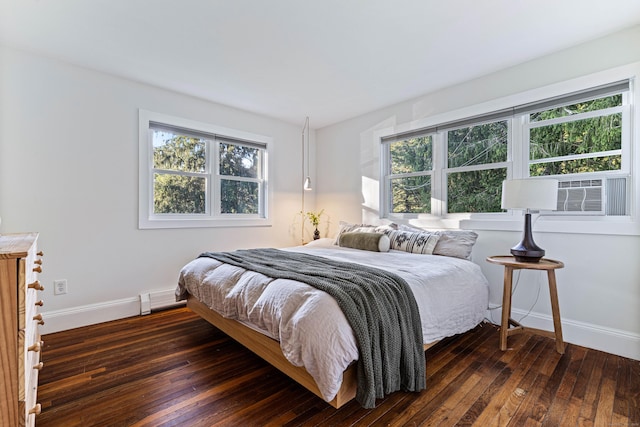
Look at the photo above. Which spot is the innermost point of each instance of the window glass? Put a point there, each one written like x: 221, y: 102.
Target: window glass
x: 239, y: 197
x: 178, y: 152
x: 475, y: 191
x: 411, y: 155
x: 478, y: 144
x: 411, y: 194
x: 239, y: 160
x: 596, y: 164
x: 178, y: 194
x: 578, y: 108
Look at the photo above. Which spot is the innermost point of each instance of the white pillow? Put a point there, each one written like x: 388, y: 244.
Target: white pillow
x: 455, y: 243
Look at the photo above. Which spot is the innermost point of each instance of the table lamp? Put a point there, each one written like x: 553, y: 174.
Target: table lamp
x: 529, y: 194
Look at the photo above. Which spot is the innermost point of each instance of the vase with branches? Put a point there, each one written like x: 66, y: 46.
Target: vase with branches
x: 314, y: 218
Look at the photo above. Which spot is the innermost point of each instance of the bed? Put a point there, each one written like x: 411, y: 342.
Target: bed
x: 302, y: 331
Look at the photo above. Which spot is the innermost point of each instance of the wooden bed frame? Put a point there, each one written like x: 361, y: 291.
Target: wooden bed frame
x: 269, y: 349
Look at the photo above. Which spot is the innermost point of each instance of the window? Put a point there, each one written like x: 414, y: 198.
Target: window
x: 576, y: 138
x: 198, y: 175
x: 180, y: 172
x: 476, y: 166
x: 411, y: 163
x: 582, y: 139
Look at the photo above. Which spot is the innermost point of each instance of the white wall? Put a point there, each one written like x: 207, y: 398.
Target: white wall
x: 599, y: 289
x: 69, y: 170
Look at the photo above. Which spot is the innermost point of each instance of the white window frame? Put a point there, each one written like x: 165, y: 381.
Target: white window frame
x: 146, y: 217
x: 518, y: 163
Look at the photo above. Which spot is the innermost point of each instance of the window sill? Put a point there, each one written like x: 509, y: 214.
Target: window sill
x: 602, y: 225
x: 149, y: 224
x: 558, y: 224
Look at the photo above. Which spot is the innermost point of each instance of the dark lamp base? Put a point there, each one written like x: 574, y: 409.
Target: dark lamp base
x: 527, y: 250
x: 527, y: 255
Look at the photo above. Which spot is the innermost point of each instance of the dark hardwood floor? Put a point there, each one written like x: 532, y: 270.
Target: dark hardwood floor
x: 172, y: 368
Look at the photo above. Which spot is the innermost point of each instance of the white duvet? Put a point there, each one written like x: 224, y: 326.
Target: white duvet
x: 452, y: 296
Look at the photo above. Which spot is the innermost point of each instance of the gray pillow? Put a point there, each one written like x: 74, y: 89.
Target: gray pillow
x: 346, y: 227
x: 376, y: 242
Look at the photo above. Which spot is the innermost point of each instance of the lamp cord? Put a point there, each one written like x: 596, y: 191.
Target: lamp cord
x: 515, y: 288
x: 534, y: 302
x: 306, y: 124
x: 308, y: 147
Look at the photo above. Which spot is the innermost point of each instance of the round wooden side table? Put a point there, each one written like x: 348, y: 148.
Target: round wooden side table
x: 510, y: 264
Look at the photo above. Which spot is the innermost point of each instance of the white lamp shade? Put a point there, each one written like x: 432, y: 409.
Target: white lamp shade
x: 537, y: 194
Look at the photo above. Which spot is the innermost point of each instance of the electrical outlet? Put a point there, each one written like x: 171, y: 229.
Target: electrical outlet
x: 60, y: 287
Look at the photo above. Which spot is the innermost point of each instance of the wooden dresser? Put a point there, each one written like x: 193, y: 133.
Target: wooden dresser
x: 20, y: 345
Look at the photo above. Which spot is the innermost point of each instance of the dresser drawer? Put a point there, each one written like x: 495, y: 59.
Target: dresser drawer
x: 20, y: 345
x: 28, y: 286
x: 34, y: 364
x: 32, y: 360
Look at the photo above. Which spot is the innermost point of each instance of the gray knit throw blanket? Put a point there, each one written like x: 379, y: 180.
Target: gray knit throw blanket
x: 378, y: 305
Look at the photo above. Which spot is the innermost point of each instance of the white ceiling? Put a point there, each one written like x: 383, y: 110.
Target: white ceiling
x: 328, y: 59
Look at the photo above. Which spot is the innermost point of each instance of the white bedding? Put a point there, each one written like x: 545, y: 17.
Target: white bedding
x: 452, y: 296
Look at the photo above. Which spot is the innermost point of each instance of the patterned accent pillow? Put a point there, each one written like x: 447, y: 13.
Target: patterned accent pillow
x: 453, y: 243
x: 416, y: 243
x: 346, y: 227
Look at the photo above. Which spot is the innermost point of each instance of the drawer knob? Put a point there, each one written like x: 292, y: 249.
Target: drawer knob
x: 36, y: 409
x: 37, y: 346
x: 38, y: 269
x: 38, y: 261
x: 38, y: 317
x: 36, y: 285
x: 40, y: 253
x: 40, y: 303
x: 39, y: 366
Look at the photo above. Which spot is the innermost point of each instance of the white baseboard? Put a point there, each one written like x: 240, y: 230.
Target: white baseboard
x: 163, y: 299
x: 610, y: 340
x: 75, y: 317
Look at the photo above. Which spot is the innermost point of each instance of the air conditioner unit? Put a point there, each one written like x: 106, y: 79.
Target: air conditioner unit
x: 597, y: 196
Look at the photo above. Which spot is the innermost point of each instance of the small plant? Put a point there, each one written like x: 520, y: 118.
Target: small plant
x: 315, y: 217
